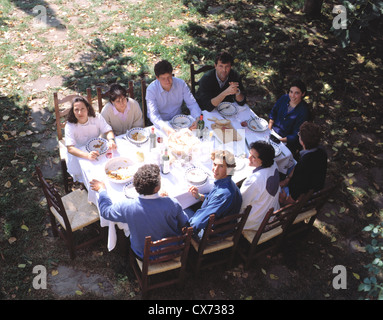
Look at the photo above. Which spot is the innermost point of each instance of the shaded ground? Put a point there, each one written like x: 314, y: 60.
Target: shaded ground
x: 345, y: 94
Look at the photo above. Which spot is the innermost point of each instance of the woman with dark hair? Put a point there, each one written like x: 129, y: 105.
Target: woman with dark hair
x: 310, y: 171
x: 261, y: 188
x: 82, y: 125
x: 288, y: 113
x: 148, y: 214
x: 121, y: 112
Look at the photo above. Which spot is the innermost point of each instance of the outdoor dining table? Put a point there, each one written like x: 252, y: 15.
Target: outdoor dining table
x: 175, y: 184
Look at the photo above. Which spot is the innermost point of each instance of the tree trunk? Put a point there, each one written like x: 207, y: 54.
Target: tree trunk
x: 313, y: 8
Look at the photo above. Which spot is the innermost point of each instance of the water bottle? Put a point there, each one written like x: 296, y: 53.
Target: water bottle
x: 152, y: 139
x: 165, y: 162
x: 200, y: 126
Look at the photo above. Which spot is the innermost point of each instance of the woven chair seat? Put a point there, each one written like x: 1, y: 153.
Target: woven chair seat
x: 80, y: 212
x: 250, y: 234
x: 305, y: 215
x: 162, y: 266
x: 213, y: 247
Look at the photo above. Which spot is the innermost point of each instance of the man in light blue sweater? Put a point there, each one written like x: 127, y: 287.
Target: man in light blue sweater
x: 147, y: 215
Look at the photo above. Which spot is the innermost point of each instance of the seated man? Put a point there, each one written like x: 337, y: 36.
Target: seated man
x: 261, y: 188
x: 164, y: 98
x: 220, y: 84
x: 224, y: 199
x: 149, y: 214
x: 310, y: 171
x: 121, y: 112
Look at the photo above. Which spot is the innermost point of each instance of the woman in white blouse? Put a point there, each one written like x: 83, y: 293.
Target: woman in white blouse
x: 82, y: 125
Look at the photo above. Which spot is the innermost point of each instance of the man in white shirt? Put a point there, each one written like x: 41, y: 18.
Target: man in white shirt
x: 165, y: 95
x: 261, y: 188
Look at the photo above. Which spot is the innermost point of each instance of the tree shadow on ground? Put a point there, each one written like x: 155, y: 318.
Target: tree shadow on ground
x: 104, y: 65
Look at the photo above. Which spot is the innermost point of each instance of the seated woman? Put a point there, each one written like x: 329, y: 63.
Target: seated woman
x: 310, y: 171
x: 288, y: 113
x: 121, y: 112
x: 261, y: 188
x: 82, y: 125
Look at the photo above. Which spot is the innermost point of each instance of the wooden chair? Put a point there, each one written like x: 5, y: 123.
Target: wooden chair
x: 62, y: 107
x: 105, y: 95
x: 308, y: 213
x: 194, y: 72
x: 69, y: 214
x: 272, y: 231
x: 162, y: 256
x: 221, y: 234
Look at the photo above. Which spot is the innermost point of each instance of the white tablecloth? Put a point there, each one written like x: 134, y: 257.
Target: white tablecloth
x: 174, y: 183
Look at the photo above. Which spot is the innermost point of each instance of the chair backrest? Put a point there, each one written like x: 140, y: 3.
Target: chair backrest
x: 62, y: 107
x: 144, y: 107
x: 166, y: 249
x: 318, y: 199
x: 194, y: 72
x: 105, y: 95
x: 223, y: 228
x: 53, y: 199
x: 280, y: 219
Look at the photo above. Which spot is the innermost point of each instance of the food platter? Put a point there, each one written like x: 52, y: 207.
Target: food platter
x: 137, y: 135
x: 196, y: 176
x: 97, y: 144
x: 257, y: 124
x: 227, y: 109
x: 181, y: 121
x: 120, y: 170
x: 130, y: 190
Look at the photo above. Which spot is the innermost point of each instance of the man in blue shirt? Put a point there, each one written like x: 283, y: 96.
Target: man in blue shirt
x: 149, y: 214
x: 224, y: 199
x: 165, y: 96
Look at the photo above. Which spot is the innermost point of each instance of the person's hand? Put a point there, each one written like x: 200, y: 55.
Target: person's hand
x: 163, y: 193
x: 194, y: 191
x: 282, y: 197
x: 93, y: 155
x: 193, y: 126
x: 284, y: 183
x: 232, y: 89
x: 97, y: 185
x: 112, y: 145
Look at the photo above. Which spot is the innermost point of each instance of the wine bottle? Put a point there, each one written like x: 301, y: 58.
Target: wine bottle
x: 152, y: 139
x: 165, y: 162
x: 200, y: 126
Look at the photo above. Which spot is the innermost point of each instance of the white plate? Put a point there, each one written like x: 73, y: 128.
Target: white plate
x: 240, y: 163
x: 276, y: 148
x: 181, y: 121
x: 97, y: 144
x: 227, y: 109
x: 130, y: 190
x: 257, y: 124
x: 137, y: 135
x: 196, y: 176
x: 120, y: 170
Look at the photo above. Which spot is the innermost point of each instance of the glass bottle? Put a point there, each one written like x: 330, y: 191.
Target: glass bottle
x: 165, y: 162
x: 152, y: 139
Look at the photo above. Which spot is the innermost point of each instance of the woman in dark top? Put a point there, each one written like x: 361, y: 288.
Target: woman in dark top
x: 310, y: 171
x: 288, y: 113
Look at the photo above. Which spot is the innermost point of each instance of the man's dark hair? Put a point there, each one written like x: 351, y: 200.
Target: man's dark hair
x: 265, y: 151
x: 116, y: 91
x: 146, y: 179
x: 224, y: 57
x: 72, y: 118
x: 162, y: 67
x: 310, y: 134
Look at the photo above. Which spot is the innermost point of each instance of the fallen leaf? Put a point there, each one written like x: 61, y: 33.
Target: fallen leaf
x: 24, y: 227
x: 11, y: 240
x: 8, y: 184
x: 55, y: 272
x: 78, y: 292
x: 357, y: 276
x: 22, y: 265
x: 273, y: 277
x: 212, y: 293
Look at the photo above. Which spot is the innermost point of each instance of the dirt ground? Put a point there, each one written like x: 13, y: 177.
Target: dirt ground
x: 304, y: 270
